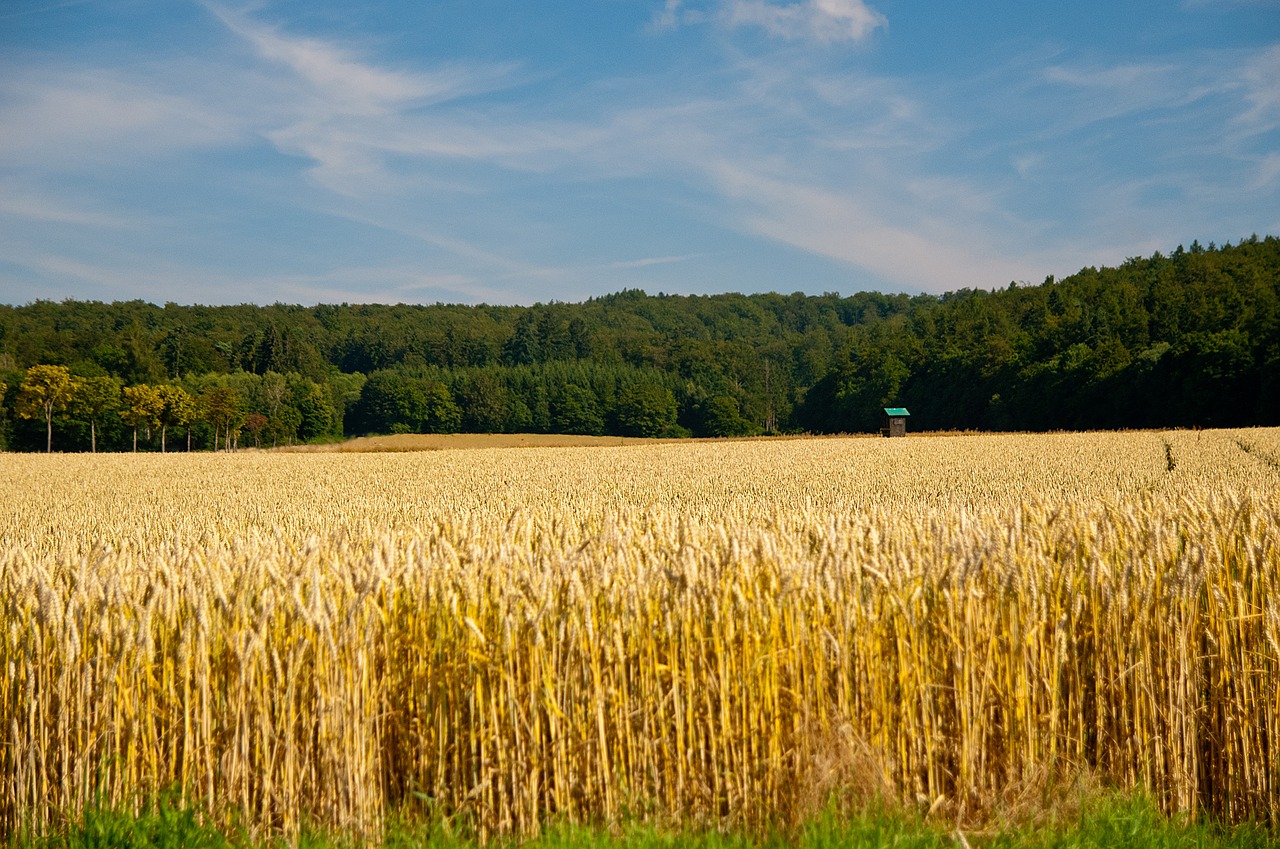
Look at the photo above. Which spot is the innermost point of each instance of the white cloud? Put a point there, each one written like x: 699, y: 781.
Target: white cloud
x: 648, y: 261
x: 387, y: 284
x: 98, y: 277
x: 88, y: 117
x: 824, y: 21
x: 16, y: 203
x: 1268, y: 172
x: 350, y: 116
x: 673, y: 14
x: 338, y: 76
x: 1026, y: 164
x: 840, y: 226
x: 1088, y: 94
x: 820, y: 20
x: 1259, y: 77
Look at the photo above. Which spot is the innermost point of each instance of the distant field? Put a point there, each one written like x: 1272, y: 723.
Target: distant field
x: 712, y: 634
x: 406, y: 442
x: 445, y: 441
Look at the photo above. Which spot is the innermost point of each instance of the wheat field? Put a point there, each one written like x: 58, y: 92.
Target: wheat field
x: 726, y: 634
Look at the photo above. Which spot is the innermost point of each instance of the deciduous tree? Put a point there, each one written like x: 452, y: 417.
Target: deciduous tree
x: 223, y: 408
x: 443, y: 414
x: 94, y: 399
x: 315, y: 406
x: 44, y: 391
x: 576, y: 409
x: 285, y: 425
x: 644, y: 410
x: 142, y: 407
x: 177, y: 408
x: 255, y: 423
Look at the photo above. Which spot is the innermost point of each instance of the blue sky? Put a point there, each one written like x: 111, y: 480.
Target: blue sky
x: 528, y: 150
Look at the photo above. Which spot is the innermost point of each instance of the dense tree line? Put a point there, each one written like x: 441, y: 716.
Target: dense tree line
x: 1191, y: 338
x: 215, y: 411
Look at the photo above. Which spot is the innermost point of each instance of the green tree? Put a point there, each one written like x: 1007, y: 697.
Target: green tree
x: 722, y: 416
x: 44, y: 391
x: 315, y: 407
x: 141, y: 408
x: 284, y: 426
x: 96, y: 397
x: 271, y: 392
x: 175, y: 351
x: 644, y: 409
x: 523, y: 347
x: 576, y: 409
x: 391, y: 403
x: 177, y: 408
x: 4, y: 442
x: 443, y: 414
x: 484, y: 400
x: 222, y: 407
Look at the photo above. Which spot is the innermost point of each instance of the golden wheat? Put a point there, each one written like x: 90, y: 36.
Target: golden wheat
x: 724, y: 634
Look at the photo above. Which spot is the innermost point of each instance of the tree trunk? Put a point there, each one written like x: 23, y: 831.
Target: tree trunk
x: 93, y: 436
x: 48, y: 425
x: 135, y: 440
x: 163, y: 432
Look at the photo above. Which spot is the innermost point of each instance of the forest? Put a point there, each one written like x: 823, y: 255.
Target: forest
x: 1185, y: 339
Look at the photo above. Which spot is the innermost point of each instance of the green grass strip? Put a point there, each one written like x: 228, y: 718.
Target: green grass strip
x: 1118, y: 823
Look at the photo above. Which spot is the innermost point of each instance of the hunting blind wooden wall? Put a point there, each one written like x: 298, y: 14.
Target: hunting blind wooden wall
x: 895, y: 421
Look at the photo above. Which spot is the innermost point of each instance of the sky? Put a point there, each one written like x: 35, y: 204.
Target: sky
x: 522, y: 151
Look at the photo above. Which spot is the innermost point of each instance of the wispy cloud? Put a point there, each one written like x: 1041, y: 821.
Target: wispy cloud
x: 17, y: 203
x: 1259, y: 78
x: 84, y: 118
x: 340, y: 78
x: 1116, y: 78
x: 349, y: 115
x: 824, y: 21
x: 1088, y: 94
x: 98, y: 276
x: 840, y: 226
x: 674, y: 13
x: 155, y: 279
x: 388, y: 284
x: 648, y: 261
x: 1268, y: 173
x: 820, y: 20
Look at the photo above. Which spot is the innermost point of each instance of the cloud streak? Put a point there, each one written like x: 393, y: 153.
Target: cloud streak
x: 84, y: 119
x: 822, y: 21
x: 16, y: 203
x: 349, y: 116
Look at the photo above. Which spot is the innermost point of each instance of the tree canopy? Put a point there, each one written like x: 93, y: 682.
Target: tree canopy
x: 1191, y: 338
